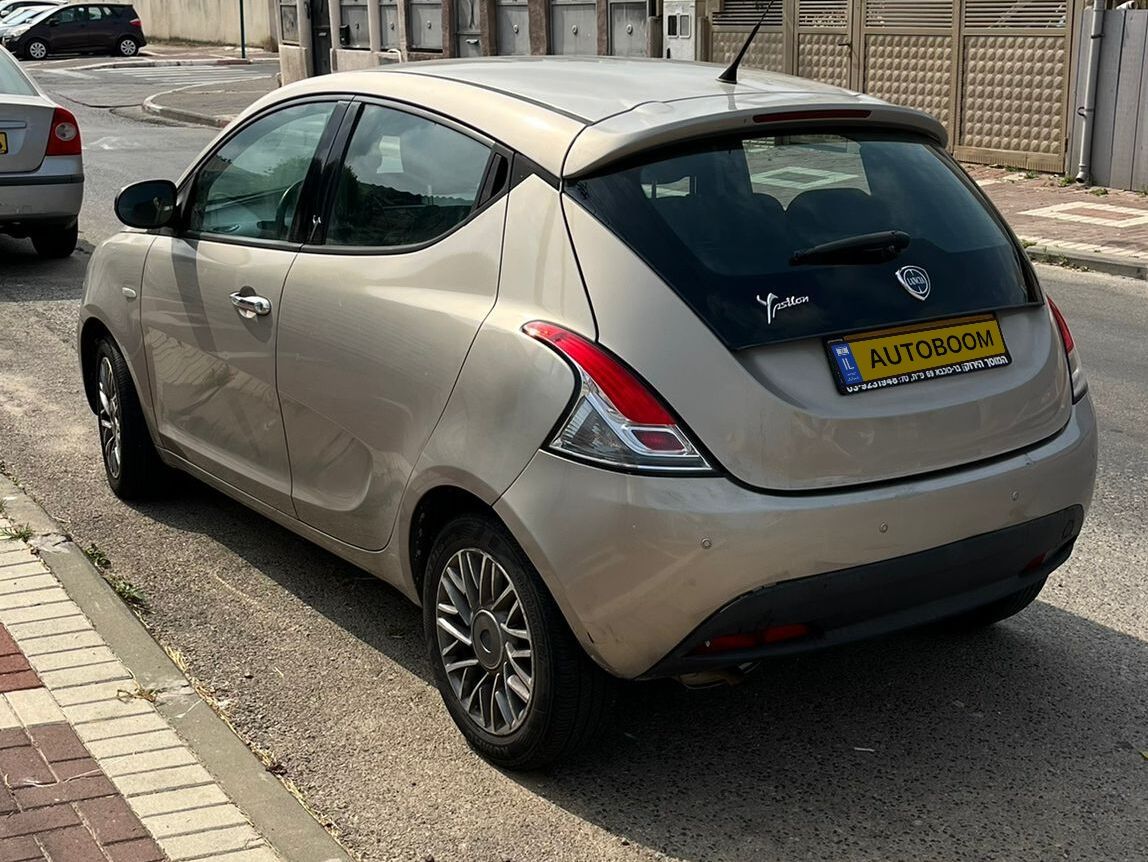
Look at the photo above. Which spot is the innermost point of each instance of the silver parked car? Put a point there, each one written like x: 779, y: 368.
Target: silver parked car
x: 620, y: 370
x: 41, y: 164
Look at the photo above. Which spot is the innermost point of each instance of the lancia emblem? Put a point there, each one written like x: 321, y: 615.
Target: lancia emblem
x: 915, y: 280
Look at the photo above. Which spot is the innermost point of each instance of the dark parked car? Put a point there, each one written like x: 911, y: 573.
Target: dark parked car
x: 78, y: 28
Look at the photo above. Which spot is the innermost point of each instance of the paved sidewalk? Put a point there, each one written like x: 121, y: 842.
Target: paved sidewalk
x: 90, y: 769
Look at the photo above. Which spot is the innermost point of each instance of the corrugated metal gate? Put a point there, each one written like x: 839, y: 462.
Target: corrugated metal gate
x: 995, y: 72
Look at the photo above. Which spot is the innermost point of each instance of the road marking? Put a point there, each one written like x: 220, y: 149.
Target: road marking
x: 67, y: 73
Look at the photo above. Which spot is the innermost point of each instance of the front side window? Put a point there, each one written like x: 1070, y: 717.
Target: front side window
x: 250, y: 187
x: 405, y: 180
x: 729, y: 222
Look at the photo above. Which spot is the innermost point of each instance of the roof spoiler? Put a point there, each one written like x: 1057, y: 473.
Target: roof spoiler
x: 660, y: 124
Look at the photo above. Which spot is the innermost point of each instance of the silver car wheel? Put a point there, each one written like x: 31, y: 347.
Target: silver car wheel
x: 37, y: 50
x: 110, y: 419
x: 484, y: 641
x: 128, y: 47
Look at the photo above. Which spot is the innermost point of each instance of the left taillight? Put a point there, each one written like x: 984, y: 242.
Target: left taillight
x: 64, y: 138
x: 1075, y: 369
x: 615, y: 421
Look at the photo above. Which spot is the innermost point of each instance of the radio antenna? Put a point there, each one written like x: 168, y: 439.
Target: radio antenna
x: 729, y: 76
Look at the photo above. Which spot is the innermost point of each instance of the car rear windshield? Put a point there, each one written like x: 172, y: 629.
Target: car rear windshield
x: 738, y: 227
x: 12, y: 80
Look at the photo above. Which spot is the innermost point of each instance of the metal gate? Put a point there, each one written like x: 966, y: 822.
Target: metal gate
x: 573, y: 27
x: 426, y: 26
x: 512, y: 25
x: 467, y: 29
x: 995, y: 72
x: 628, y: 29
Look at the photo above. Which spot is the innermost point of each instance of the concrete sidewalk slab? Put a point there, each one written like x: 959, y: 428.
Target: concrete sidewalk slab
x: 106, y: 751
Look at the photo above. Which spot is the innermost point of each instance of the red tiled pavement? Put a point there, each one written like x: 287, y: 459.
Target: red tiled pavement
x: 56, y: 805
x: 1016, y: 193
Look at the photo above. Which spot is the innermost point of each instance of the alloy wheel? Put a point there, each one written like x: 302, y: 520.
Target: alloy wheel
x: 484, y: 641
x: 110, y: 418
x: 128, y: 47
x: 38, y: 50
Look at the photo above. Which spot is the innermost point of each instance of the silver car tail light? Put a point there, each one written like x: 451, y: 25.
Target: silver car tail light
x: 1075, y: 369
x: 616, y: 421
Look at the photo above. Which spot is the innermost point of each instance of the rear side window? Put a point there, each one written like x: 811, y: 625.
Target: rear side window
x: 12, y: 80
x: 723, y: 223
x: 405, y: 180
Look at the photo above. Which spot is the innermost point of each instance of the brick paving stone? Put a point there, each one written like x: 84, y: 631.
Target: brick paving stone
x: 67, y: 770
x: 213, y: 841
x: 13, y: 663
x: 185, y: 799
x: 140, y: 850
x: 153, y: 741
x: 21, y: 849
x: 50, y: 626
x: 111, y: 820
x: 19, y: 681
x: 102, y: 672
x: 57, y: 742
x: 7, y: 800
x: 13, y: 737
x: 197, y: 820
x: 7, y: 645
x: 8, y: 718
x: 11, y: 584
x: 34, y: 706
x: 24, y: 767
x: 75, y: 790
x: 71, y: 845
x: 163, y: 779
x: 62, y: 642
x: 75, y: 658
x: 145, y: 761
x: 40, y: 820
x: 113, y: 727
x: 113, y: 708
x: 44, y: 611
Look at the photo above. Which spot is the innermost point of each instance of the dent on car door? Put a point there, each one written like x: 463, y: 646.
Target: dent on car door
x: 211, y: 300
x: 376, y: 323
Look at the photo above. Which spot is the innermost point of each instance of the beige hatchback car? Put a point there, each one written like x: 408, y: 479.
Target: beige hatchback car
x: 620, y: 370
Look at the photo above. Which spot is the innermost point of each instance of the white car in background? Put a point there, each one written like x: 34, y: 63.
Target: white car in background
x: 41, y: 164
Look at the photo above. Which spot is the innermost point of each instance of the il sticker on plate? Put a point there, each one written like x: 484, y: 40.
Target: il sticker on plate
x: 910, y: 354
x: 3, y: 143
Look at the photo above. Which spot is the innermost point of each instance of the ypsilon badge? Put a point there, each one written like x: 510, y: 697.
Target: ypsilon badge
x: 916, y: 281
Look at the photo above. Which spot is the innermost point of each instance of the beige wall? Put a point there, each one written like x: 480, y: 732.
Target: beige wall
x: 205, y: 20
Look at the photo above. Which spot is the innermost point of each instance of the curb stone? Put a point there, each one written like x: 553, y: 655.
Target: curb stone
x: 151, y: 106
x: 271, y: 808
x: 152, y: 64
x: 1111, y: 264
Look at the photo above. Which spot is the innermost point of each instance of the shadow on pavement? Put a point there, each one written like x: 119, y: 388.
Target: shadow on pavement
x: 1018, y: 742
x: 25, y: 277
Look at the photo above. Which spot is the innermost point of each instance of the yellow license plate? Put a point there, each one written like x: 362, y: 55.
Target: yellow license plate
x: 910, y: 354
x: 3, y: 143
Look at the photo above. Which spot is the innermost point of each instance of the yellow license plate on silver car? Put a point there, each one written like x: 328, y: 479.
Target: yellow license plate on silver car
x: 910, y: 354
x: 3, y: 143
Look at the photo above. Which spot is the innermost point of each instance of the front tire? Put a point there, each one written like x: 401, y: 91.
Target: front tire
x: 56, y: 242
x: 127, y: 47
x: 37, y: 49
x: 132, y: 466
x: 512, y: 675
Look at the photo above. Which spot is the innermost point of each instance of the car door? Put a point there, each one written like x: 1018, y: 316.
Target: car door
x: 67, y: 28
x: 211, y: 292
x: 98, y: 33
x: 377, y: 320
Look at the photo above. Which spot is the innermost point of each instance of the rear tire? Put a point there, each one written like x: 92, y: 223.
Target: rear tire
x: 131, y: 464
x: 37, y: 49
x: 533, y: 648
x: 56, y: 242
x: 127, y: 47
x: 1001, y: 609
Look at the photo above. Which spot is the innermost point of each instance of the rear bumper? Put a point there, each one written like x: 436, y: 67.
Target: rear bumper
x: 892, y: 595
x: 52, y: 194
x: 640, y: 565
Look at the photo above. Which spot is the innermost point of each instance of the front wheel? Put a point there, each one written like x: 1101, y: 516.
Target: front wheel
x: 132, y: 466
x: 56, y: 242
x: 37, y: 49
x: 513, y: 677
x: 127, y: 47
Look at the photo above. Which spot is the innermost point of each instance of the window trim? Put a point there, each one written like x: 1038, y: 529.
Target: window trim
x: 310, y: 182
x: 487, y: 195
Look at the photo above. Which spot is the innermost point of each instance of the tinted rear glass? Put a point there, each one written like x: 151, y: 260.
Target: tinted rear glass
x: 721, y: 221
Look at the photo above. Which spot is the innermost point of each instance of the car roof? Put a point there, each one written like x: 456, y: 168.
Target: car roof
x: 572, y: 115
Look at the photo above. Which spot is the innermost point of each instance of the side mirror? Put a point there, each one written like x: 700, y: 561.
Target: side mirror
x: 147, y: 205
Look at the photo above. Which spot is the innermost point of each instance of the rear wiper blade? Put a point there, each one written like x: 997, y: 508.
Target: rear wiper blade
x: 863, y: 248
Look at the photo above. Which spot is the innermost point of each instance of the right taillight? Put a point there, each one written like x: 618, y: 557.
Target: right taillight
x: 1075, y: 369
x: 616, y: 421
x: 64, y: 138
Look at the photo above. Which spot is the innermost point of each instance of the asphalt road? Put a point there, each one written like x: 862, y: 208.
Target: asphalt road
x: 1018, y: 743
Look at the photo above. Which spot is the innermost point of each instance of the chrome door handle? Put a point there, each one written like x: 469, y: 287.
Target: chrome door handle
x: 250, y: 306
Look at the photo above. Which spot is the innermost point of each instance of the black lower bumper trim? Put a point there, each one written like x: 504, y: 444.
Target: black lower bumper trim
x: 887, y: 596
